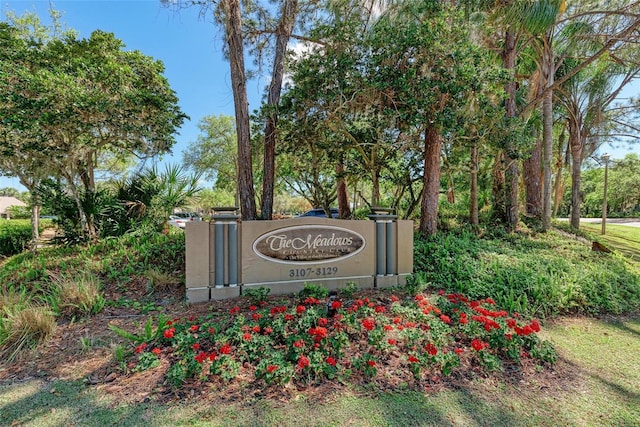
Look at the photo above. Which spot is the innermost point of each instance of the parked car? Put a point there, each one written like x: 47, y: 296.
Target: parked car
x: 180, y: 219
x: 320, y: 213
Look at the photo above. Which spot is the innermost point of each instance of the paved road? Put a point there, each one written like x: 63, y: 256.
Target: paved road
x: 631, y: 222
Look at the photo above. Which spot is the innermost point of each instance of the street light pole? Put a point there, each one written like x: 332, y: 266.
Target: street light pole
x: 605, y: 157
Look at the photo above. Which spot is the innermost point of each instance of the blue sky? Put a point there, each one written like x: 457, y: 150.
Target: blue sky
x: 190, y: 47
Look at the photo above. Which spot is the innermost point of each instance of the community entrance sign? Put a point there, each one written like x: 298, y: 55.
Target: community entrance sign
x: 225, y: 256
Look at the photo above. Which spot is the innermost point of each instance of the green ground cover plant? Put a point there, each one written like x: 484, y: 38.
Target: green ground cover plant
x: 539, y: 274
x: 599, y: 358
x: 415, y: 339
x: 385, y: 373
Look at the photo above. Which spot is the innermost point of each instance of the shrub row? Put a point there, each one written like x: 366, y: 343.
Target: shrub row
x: 537, y: 274
x: 14, y: 236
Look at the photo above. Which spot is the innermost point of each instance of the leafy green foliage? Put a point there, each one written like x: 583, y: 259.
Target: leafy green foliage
x: 282, y: 343
x: 14, y: 236
x: 538, y: 274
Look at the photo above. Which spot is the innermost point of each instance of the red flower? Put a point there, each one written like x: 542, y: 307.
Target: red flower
x: 272, y: 368
x: 368, y: 323
x: 413, y: 359
x: 459, y: 350
x: 141, y: 347
x: 446, y: 319
x: 212, y: 331
x: 371, y: 363
x: 303, y: 362
x: 511, y: 323
x: 535, y: 325
x: 489, y: 301
x: 234, y: 310
x: 256, y: 316
x: 311, y: 300
x: 156, y: 351
x: 256, y: 329
x: 246, y: 336
x: 331, y: 361
x: 298, y: 344
x: 289, y: 317
x: 212, y: 356
x: 277, y: 310
x: 169, y: 333
x: 267, y: 330
x: 336, y: 305
x: 322, y: 321
x: 419, y: 297
x: 397, y: 320
x: 463, y: 318
x: 300, y: 309
x: 200, y: 357
x: 253, y: 308
x: 478, y: 344
x: 391, y: 341
x: 169, y: 323
x: 431, y: 349
x: 394, y: 298
x: 319, y: 332
x: 380, y: 309
x: 194, y: 328
x: 225, y: 349
x: 196, y: 346
x: 388, y: 327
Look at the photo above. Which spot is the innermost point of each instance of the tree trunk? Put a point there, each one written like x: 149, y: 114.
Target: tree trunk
x: 81, y: 214
x: 35, y: 224
x: 531, y: 173
x: 283, y: 33
x: 88, y: 182
x: 497, y: 187
x: 451, y: 194
x: 233, y: 30
x: 344, y: 211
x: 511, y: 163
x: 511, y: 192
x: 429, y: 208
x: 577, y: 147
x: 547, y: 133
x: 559, y: 184
x: 473, y: 196
x: 558, y: 189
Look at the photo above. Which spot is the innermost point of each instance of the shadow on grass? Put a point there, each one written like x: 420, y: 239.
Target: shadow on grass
x: 631, y: 397
x: 623, y: 325
x: 446, y: 408
x: 39, y: 403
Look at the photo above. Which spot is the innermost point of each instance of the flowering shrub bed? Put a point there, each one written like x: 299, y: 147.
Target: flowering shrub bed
x: 311, y: 340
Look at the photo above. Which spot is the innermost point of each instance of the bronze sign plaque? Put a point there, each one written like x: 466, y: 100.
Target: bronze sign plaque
x: 308, y: 243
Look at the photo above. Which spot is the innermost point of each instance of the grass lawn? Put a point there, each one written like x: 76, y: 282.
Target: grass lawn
x: 621, y: 238
x: 596, y: 382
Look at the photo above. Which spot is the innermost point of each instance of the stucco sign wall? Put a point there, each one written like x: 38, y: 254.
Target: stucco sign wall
x: 225, y: 256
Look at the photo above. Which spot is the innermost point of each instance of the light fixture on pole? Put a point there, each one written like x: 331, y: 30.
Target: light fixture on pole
x: 605, y: 157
